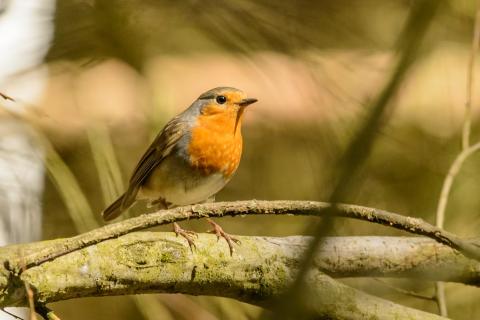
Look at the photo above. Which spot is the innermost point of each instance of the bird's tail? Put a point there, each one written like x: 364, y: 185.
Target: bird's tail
x: 114, y: 210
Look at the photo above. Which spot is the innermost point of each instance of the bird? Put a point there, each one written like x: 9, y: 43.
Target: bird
x: 192, y: 158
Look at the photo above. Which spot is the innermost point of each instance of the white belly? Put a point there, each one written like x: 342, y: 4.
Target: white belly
x: 180, y: 186
x: 208, y: 187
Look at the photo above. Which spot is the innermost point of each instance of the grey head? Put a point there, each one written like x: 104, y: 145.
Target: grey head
x: 213, y: 93
x: 215, y: 96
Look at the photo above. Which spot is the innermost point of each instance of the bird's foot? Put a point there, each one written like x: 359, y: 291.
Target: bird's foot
x: 218, y: 231
x: 187, y: 234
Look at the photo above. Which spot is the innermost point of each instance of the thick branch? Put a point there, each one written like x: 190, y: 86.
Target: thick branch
x: 221, y: 209
x: 393, y: 257
x: 259, y: 272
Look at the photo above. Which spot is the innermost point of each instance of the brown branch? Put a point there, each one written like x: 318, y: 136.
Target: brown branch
x: 417, y: 226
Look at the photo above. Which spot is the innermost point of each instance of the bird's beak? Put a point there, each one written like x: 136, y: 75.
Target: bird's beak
x: 243, y: 103
x: 247, y: 101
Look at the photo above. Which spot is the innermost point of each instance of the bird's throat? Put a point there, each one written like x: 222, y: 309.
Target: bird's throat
x: 238, y: 120
x: 216, y: 144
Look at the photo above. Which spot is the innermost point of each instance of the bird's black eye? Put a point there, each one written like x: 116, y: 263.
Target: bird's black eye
x: 221, y: 99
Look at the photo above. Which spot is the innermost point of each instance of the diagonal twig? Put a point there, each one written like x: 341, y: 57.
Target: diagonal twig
x: 405, y: 292
x: 4, y: 96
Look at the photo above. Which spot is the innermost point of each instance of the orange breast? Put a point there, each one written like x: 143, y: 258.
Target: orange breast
x: 216, y: 143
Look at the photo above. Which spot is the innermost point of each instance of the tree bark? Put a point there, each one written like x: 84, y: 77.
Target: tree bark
x: 258, y: 273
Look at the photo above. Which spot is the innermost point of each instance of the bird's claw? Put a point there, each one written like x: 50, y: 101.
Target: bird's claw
x: 187, y: 234
x: 218, y: 231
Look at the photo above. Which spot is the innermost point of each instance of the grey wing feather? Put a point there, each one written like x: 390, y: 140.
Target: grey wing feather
x: 160, y: 148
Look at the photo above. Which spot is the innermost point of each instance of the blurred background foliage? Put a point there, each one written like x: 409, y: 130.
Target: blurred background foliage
x: 119, y: 70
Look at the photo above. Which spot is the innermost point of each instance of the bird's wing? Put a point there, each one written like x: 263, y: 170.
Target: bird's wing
x: 160, y: 148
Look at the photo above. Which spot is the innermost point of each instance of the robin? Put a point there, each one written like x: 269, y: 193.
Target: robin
x: 191, y: 159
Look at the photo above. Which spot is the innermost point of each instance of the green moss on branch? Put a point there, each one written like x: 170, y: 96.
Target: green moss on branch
x: 259, y: 271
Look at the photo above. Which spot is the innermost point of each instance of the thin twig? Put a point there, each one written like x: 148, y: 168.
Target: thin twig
x: 31, y: 302
x: 440, y: 298
x: 470, y: 80
x: 448, y: 182
x: 11, y: 314
x: 28, y: 290
x: 4, y: 96
x: 405, y: 292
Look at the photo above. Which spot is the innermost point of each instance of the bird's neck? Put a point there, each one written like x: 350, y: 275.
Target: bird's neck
x: 225, y: 123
